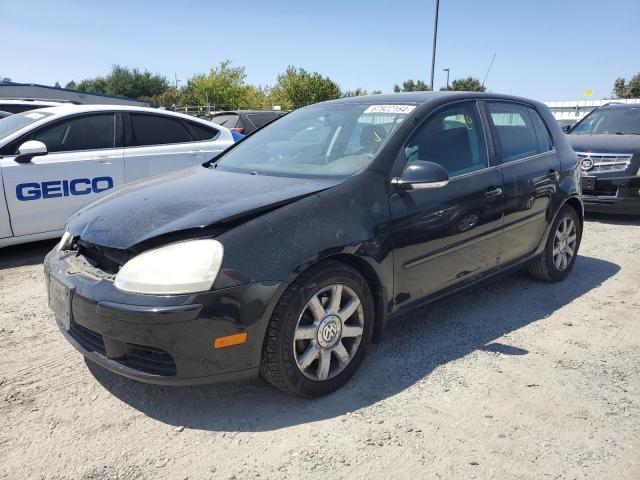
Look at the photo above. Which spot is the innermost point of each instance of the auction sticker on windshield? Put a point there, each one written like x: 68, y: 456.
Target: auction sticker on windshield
x: 390, y: 109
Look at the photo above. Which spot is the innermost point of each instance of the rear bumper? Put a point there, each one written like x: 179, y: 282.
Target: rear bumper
x: 164, y: 339
x: 614, y: 195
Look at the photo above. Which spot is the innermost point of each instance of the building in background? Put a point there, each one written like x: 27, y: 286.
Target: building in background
x: 13, y: 90
x: 571, y: 111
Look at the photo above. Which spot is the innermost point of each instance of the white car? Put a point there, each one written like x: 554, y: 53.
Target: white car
x: 54, y: 161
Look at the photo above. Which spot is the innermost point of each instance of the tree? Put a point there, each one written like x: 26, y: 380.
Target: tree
x: 358, y: 92
x: 622, y: 89
x: 469, y: 84
x: 125, y: 82
x: 223, y: 87
x: 297, y: 88
x: 411, y: 86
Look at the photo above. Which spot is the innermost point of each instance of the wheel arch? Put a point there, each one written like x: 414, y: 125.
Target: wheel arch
x: 371, y: 276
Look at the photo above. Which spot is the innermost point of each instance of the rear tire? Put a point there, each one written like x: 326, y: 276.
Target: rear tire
x: 319, y: 331
x: 561, y: 248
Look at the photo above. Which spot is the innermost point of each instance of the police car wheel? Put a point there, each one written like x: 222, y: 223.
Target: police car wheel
x: 319, y: 331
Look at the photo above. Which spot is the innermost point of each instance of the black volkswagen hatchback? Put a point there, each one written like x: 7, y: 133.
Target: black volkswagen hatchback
x: 286, y: 255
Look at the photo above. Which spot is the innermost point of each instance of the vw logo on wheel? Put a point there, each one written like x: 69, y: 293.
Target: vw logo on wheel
x: 329, y: 332
x: 586, y: 164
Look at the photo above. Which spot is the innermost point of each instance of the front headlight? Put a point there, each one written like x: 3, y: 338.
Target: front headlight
x: 184, y: 267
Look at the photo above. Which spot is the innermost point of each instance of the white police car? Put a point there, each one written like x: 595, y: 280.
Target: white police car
x: 55, y: 160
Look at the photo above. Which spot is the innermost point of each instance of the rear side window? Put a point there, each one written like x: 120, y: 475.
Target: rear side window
x: 516, y: 134
x: 157, y: 130
x: 544, y: 139
x: 91, y: 132
x: 202, y: 132
x: 228, y: 120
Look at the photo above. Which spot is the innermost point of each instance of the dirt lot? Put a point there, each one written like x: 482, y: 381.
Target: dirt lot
x: 519, y: 379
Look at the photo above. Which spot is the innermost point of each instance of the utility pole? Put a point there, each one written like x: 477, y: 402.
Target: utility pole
x: 447, y: 70
x: 435, y: 37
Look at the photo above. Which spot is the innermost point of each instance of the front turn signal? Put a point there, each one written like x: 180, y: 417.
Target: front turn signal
x: 230, y: 340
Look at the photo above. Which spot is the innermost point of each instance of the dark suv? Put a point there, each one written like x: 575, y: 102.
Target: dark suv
x: 287, y: 254
x: 245, y: 121
x: 607, y: 142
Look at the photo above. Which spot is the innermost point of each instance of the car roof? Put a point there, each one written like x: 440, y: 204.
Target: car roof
x: 238, y: 112
x: 613, y: 105
x: 421, y: 98
x: 68, y: 109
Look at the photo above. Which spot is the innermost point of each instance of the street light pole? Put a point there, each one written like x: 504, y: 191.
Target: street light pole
x: 447, y: 70
x: 435, y: 37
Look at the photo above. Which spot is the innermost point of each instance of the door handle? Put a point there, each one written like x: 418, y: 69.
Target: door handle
x: 493, y: 192
x: 554, y: 174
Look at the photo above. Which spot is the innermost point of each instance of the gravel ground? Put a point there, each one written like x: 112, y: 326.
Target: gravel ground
x: 519, y: 379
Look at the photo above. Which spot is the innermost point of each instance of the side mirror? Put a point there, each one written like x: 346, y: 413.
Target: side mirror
x: 30, y: 149
x: 419, y: 175
x: 566, y: 128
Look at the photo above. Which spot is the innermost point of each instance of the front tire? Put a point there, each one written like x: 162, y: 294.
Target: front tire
x: 319, y: 331
x: 561, y: 248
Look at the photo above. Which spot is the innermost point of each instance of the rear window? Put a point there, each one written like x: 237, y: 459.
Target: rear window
x: 260, y: 119
x: 202, y: 132
x: 13, y: 108
x: 229, y: 120
x: 158, y: 130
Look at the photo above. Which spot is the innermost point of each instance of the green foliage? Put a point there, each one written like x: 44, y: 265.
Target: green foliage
x: 622, y: 89
x: 125, y: 82
x: 297, y: 88
x: 223, y: 85
x: 411, y: 86
x: 358, y: 92
x: 469, y: 84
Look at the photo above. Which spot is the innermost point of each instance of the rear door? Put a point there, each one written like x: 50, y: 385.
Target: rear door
x: 161, y: 143
x: 530, y: 171
x: 448, y: 235
x: 85, y: 160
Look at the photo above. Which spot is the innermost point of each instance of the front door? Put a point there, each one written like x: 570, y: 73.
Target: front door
x: 448, y: 235
x: 82, y: 164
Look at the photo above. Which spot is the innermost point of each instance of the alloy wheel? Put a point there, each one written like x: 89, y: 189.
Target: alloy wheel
x: 328, y: 332
x: 564, y: 243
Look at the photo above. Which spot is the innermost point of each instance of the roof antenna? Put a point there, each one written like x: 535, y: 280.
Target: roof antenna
x: 490, y: 65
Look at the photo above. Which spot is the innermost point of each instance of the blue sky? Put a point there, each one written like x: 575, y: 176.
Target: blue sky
x: 545, y: 49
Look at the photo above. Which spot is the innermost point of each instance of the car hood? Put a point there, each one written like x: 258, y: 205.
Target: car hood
x: 604, y: 143
x: 185, y: 200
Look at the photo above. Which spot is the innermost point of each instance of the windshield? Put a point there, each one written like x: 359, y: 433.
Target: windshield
x: 610, y: 120
x: 330, y: 140
x: 13, y: 123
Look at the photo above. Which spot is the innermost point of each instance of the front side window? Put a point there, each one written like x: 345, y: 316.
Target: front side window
x: 90, y: 132
x: 616, y: 120
x: 453, y: 138
x: 516, y: 134
x: 331, y: 140
x: 157, y: 130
